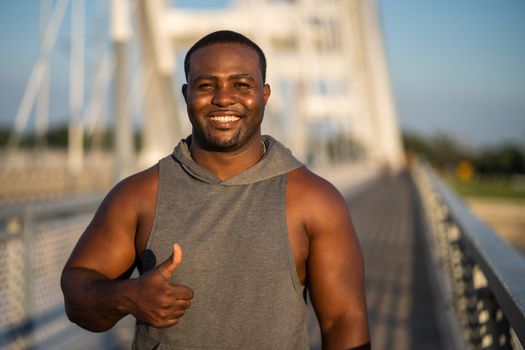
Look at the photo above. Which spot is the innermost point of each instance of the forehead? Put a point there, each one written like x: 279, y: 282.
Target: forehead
x: 225, y: 59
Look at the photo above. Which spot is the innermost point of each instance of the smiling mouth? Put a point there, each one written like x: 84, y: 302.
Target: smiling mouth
x: 225, y: 118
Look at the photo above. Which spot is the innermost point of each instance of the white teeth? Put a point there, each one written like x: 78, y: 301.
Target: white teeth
x: 225, y: 118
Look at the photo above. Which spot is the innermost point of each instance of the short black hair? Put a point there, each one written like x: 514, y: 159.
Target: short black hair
x: 225, y: 37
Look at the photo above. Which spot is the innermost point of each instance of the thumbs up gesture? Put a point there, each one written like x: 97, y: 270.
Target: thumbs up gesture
x: 168, y: 267
x: 156, y: 301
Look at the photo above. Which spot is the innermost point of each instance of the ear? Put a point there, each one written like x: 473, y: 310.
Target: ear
x: 266, y: 93
x: 185, y: 92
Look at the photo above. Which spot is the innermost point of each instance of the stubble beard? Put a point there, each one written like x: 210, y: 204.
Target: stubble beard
x: 230, y: 143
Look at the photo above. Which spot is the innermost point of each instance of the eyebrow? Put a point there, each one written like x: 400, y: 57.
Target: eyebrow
x: 241, y: 76
x: 230, y: 78
x: 205, y: 77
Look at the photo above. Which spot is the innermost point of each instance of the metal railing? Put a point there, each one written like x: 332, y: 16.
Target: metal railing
x: 482, y: 278
x: 35, y: 241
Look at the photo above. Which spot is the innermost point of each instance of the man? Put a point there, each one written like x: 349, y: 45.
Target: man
x: 255, y: 225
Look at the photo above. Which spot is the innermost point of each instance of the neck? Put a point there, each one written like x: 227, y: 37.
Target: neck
x: 225, y: 165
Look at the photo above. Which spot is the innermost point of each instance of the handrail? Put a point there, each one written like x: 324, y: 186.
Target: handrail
x: 486, y: 275
x: 52, y: 207
x: 16, y: 219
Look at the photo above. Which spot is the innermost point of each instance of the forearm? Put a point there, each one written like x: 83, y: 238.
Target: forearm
x: 93, y: 301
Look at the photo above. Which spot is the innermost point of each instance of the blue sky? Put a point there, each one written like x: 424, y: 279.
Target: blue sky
x: 456, y: 66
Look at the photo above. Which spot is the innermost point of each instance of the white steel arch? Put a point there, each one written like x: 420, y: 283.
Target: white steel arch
x: 326, y: 65
x: 308, y: 43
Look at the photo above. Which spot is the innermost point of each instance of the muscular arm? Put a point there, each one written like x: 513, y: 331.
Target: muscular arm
x: 335, y: 267
x: 97, y: 291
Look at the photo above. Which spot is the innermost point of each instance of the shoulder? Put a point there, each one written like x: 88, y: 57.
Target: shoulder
x: 135, y: 191
x: 138, y: 184
x: 316, y: 199
x: 305, y: 184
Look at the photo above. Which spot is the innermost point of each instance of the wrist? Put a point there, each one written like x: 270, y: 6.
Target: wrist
x: 126, y: 296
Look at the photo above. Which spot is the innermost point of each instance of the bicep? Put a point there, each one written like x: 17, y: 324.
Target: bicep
x: 335, y: 263
x: 107, y: 245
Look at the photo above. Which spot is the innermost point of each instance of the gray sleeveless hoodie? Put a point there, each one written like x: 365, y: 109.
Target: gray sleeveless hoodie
x: 236, y: 255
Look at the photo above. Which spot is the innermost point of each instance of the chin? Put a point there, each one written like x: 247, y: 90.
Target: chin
x: 223, y: 141
x: 220, y: 143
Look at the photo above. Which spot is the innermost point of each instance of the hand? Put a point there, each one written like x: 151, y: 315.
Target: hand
x: 156, y: 301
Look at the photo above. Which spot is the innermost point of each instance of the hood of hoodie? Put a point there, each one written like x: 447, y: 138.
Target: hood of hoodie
x: 276, y: 161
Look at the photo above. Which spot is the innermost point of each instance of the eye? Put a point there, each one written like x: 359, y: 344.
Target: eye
x: 205, y: 86
x: 240, y: 84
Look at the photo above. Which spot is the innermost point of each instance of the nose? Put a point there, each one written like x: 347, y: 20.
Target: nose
x: 224, y: 96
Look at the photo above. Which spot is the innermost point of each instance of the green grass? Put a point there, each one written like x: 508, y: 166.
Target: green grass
x: 493, y: 188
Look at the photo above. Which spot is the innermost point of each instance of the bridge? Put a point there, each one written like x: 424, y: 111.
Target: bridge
x: 437, y: 277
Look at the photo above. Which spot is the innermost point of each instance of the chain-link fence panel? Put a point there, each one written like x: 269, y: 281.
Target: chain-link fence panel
x: 35, y: 242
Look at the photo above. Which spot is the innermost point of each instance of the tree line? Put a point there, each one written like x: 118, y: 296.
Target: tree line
x: 57, y: 137
x: 446, y: 153
x: 443, y: 151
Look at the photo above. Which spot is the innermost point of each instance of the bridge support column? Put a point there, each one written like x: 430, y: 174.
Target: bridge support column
x: 161, y: 123
x: 76, y: 88
x: 123, y: 133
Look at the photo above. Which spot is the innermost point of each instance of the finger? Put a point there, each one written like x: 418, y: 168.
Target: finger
x: 182, y: 292
x: 179, y: 304
x: 172, y: 322
x: 168, y: 267
x: 182, y: 304
x: 165, y: 323
x: 175, y: 314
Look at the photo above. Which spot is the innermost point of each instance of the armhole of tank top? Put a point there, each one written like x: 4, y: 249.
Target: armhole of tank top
x: 299, y: 288
x: 151, y: 235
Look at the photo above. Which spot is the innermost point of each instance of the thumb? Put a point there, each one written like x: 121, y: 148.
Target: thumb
x: 168, y: 267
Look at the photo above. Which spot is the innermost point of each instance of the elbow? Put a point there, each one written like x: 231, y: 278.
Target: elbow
x: 77, y: 307
x: 346, y: 321
x: 96, y: 326
x: 349, y: 331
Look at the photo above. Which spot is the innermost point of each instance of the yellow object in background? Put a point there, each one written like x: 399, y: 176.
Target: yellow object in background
x: 464, y: 171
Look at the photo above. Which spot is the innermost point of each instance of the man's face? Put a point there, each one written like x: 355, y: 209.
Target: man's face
x: 225, y: 96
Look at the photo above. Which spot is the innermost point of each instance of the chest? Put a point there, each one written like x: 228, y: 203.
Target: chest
x: 253, y: 226
x: 225, y: 225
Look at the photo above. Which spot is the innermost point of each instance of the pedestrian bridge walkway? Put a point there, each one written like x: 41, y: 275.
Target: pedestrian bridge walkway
x: 388, y: 220
x: 399, y: 297
x: 411, y: 304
